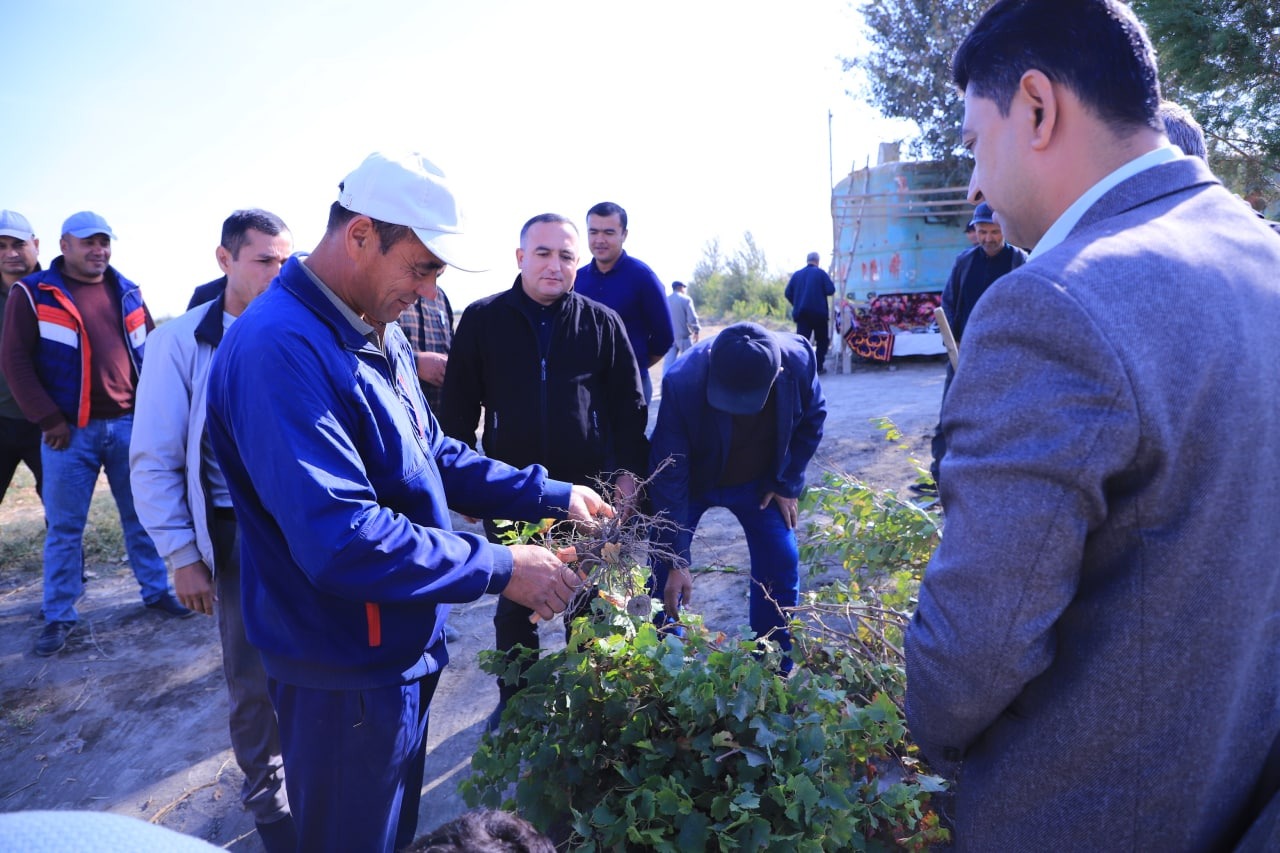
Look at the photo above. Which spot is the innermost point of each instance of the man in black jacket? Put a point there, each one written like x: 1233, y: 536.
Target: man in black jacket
x: 558, y: 381
x: 975, y: 270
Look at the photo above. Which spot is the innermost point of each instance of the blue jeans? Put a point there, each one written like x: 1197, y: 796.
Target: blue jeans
x: 775, y: 557
x: 69, y: 479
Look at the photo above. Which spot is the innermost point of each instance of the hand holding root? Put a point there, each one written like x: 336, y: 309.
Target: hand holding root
x: 540, y: 581
x: 585, y: 504
x: 678, y: 591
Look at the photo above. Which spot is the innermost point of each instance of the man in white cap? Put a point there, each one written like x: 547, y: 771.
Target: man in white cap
x: 341, y: 481
x: 74, y: 371
x: 19, y: 438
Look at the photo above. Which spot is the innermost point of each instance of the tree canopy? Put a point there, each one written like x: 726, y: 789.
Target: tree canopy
x: 1218, y: 58
x: 1221, y: 60
x: 907, y: 73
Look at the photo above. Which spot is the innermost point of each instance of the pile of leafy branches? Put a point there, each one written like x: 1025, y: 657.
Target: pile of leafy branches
x: 635, y: 739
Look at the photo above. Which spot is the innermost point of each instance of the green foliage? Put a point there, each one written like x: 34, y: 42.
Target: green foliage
x: 907, y: 73
x: 643, y: 741
x: 741, y: 287
x: 1221, y: 60
x: 634, y: 739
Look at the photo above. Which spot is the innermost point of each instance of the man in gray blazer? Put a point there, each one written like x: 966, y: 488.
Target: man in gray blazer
x: 1098, y: 634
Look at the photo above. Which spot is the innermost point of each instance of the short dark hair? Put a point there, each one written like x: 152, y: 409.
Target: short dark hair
x: 608, y: 208
x: 388, y: 234
x: 485, y: 831
x: 1096, y: 48
x: 546, y: 217
x: 1183, y: 129
x: 236, y: 226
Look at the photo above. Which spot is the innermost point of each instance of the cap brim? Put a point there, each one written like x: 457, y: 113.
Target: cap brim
x: 456, y: 250
x: 736, y: 402
x: 84, y: 233
x: 17, y: 235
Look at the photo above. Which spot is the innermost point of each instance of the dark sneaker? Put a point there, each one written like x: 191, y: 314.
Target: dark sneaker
x: 169, y: 606
x: 53, y: 638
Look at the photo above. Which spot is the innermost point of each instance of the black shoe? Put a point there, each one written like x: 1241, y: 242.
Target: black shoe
x: 169, y: 606
x: 928, y: 489
x: 278, y: 836
x: 53, y: 638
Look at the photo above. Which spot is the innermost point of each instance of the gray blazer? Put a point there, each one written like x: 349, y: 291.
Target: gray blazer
x: 1098, y: 634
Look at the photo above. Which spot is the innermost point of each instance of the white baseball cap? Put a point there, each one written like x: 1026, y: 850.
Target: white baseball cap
x: 15, y: 225
x: 408, y: 189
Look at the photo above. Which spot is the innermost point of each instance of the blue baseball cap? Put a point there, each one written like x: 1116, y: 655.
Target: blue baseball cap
x: 745, y: 360
x: 983, y: 213
x: 15, y: 225
x: 86, y: 223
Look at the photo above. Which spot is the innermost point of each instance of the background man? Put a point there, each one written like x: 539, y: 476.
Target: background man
x: 342, y: 482
x: 741, y: 417
x: 975, y: 270
x: 684, y: 323
x: 182, y: 500
x: 74, y: 372
x: 1087, y: 638
x: 807, y: 291
x: 19, y: 438
x: 628, y: 286
x: 428, y: 324
x: 554, y: 373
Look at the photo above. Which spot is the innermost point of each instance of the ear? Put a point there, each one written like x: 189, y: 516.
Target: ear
x: 1041, y: 102
x: 63, y: 243
x: 224, y: 259
x: 520, y: 256
x: 359, y: 236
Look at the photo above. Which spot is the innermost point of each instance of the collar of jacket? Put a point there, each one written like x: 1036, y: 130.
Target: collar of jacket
x: 1176, y: 176
x: 295, y: 280
x: 520, y: 299
x: 209, y: 331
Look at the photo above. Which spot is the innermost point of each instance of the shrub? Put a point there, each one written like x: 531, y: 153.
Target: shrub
x: 635, y: 739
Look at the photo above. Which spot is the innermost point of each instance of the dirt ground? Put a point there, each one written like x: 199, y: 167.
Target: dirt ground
x: 131, y: 717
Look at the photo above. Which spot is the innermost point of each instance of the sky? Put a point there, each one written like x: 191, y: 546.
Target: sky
x: 703, y: 118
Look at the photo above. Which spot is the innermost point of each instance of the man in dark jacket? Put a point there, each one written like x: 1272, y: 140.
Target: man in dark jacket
x: 741, y: 417
x: 557, y: 379
x: 807, y: 291
x: 19, y: 437
x: 975, y: 269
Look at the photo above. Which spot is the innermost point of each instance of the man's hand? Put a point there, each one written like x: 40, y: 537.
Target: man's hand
x: 194, y: 585
x: 787, y: 506
x: 586, y: 505
x: 677, y: 592
x: 431, y: 367
x: 540, y: 581
x: 58, y: 437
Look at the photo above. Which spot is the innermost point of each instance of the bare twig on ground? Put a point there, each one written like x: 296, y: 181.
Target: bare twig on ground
x: 186, y: 794
x: 43, y: 767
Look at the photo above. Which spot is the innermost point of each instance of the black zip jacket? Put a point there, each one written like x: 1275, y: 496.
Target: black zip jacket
x: 574, y: 405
